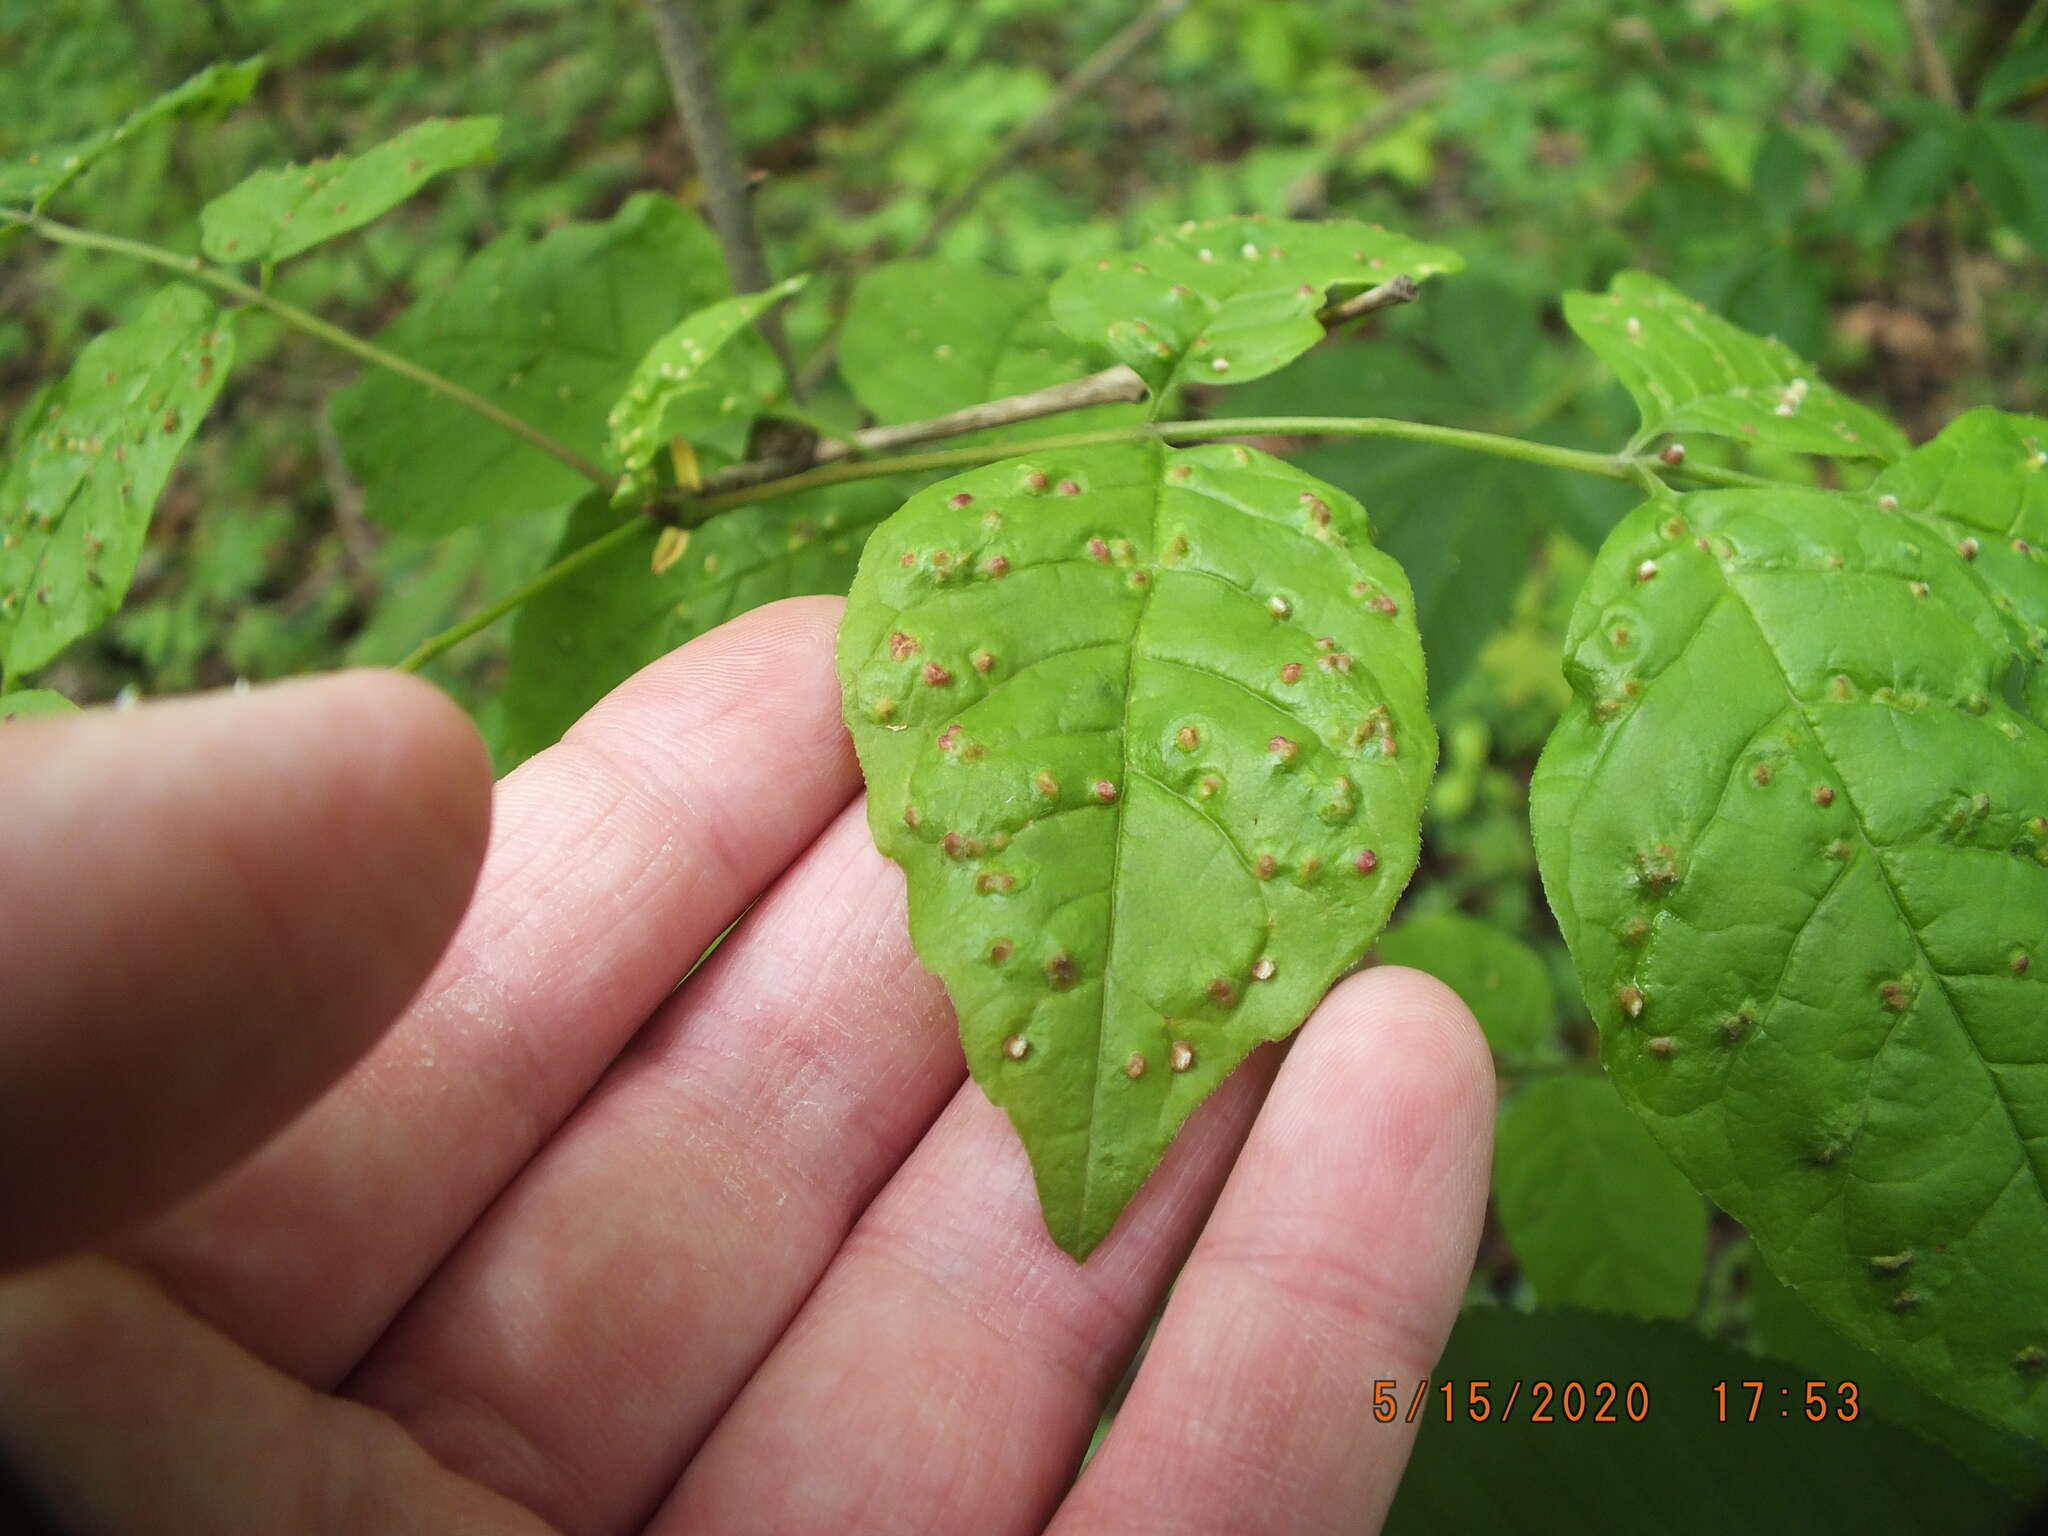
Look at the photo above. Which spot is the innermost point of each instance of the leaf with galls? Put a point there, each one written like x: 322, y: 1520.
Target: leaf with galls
x: 1146, y: 730
x: 703, y: 380
x: 1231, y: 299
x: 275, y: 214
x: 1691, y: 371
x: 1796, y: 834
x: 1984, y: 483
x: 90, y: 459
x: 37, y: 176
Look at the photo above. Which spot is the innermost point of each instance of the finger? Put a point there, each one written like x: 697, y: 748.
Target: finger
x: 950, y: 1368
x: 615, y: 859
x: 576, y: 1349
x: 120, y: 1412
x: 211, y: 907
x: 1336, y: 1257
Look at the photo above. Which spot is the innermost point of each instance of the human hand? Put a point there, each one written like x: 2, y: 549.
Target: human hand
x: 569, y: 1245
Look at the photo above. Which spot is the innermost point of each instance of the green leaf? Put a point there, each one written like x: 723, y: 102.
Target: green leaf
x: 1229, y: 300
x: 1594, y: 1211
x: 27, y: 703
x: 1682, y: 1470
x: 2008, y: 159
x: 1910, y: 176
x: 38, y: 176
x: 1984, y: 483
x: 579, y: 639
x: 2021, y: 72
x: 1778, y: 177
x: 1691, y: 371
x: 77, y: 493
x: 1147, y: 731
x: 1793, y: 832
x: 1784, y: 1326
x: 926, y: 337
x: 550, y: 330
x: 1502, y: 980
x: 278, y: 213
x: 705, y: 380
x: 1461, y: 527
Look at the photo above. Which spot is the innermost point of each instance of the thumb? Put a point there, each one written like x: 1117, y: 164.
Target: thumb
x: 208, y: 910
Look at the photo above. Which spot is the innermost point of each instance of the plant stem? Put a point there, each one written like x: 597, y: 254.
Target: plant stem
x: 694, y: 83
x: 691, y: 513
x: 568, y: 565
x: 1111, y: 385
x: 1610, y: 466
x: 193, y: 270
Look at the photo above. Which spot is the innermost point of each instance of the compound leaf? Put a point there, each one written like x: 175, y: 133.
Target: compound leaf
x: 1657, y: 1451
x: 1794, y: 833
x: 704, y: 380
x: 1147, y: 731
x: 82, y: 480
x: 1594, y: 1211
x: 550, y: 330
x: 1691, y: 371
x: 1502, y: 980
x: 926, y: 337
x: 278, y: 213
x: 28, y: 703
x: 1232, y: 299
x: 578, y: 640
x: 38, y: 176
x: 1984, y: 483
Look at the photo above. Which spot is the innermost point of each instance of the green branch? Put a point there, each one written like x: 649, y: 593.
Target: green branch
x: 193, y: 270
x: 694, y: 511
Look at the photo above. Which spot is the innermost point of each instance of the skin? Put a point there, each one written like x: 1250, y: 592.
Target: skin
x: 420, y: 1197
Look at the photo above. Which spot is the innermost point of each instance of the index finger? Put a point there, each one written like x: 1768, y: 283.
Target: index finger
x: 615, y: 859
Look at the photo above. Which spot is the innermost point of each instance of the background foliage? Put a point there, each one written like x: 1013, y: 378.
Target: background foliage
x: 1803, y: 166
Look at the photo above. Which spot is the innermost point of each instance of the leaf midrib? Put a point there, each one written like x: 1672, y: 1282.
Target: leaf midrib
x: 1126, y: 785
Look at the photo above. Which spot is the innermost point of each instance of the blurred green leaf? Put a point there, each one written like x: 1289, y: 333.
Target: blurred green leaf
x: 2023, y: 71
x: 1777, y: 178
x: 27, y: 703
x: 2008, y: 159
x: 38, y: 176
x: 80, y: 485
x: 1502, y: 980
x: 278, y: 213
x: 1911, y: 175
x: 549, y: 330
x: 1592, y: 1207
x: 1682, y: 1470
